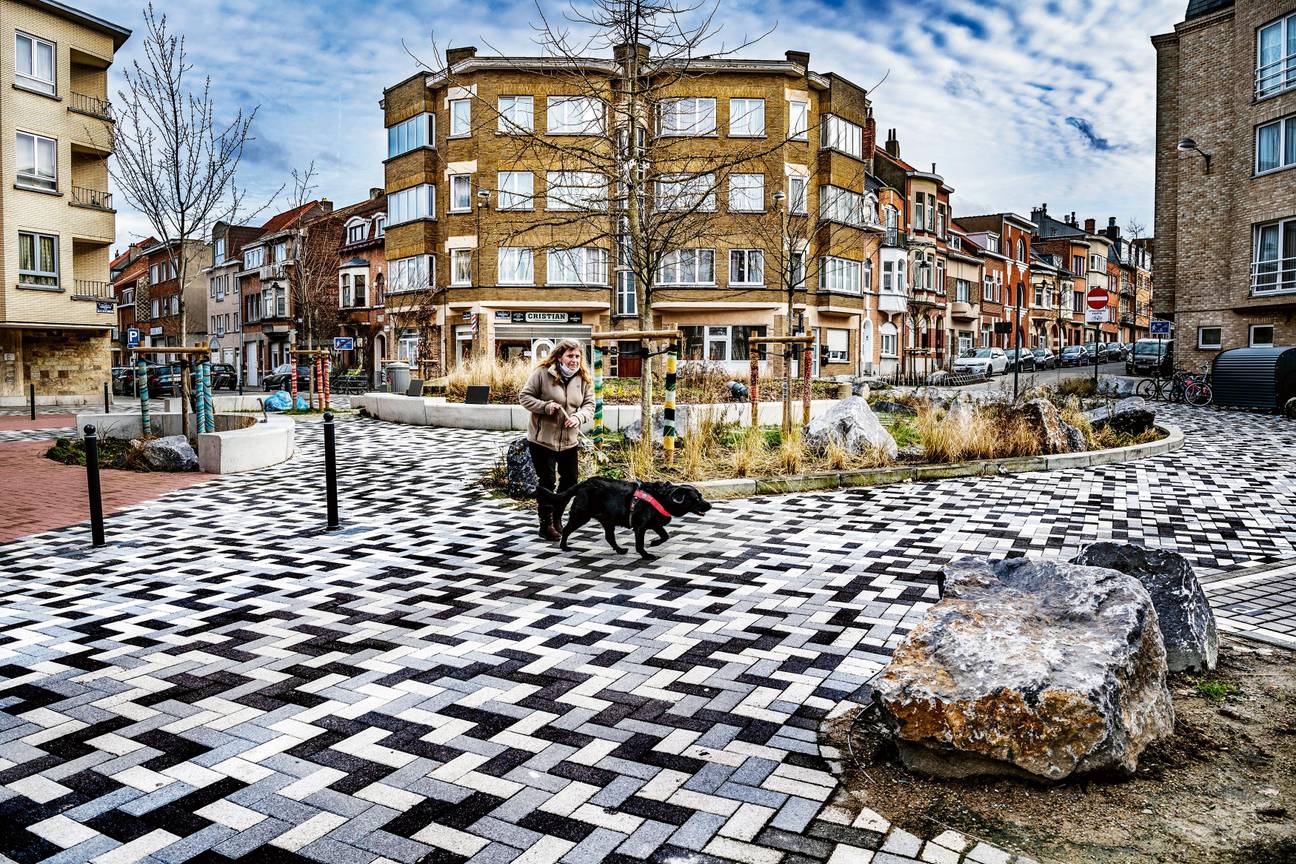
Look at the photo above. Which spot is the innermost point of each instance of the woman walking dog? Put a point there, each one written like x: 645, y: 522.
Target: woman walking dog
x: 560, y: 396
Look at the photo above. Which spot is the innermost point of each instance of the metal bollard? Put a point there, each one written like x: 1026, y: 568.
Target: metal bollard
x: 107, y: 401
x: 92, y: 484
x: 330, y: 473
x: 31, y: 388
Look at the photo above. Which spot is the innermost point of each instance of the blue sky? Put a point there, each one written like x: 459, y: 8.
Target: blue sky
x: 1016, y: 103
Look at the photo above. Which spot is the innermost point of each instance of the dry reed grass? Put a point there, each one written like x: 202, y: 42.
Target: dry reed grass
x: 504, y: 378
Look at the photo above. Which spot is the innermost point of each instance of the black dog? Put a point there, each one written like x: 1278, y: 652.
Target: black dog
x: 642, y: 506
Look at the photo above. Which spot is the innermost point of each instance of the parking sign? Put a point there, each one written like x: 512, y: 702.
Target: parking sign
x: 1159, y: 328
x: 132, y: 337
x: 343, y: 343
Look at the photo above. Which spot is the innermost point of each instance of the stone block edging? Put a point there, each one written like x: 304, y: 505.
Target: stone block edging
x: 241, y: 443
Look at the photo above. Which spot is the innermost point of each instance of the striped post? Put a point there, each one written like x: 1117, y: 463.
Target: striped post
x: 805, y: 385
x: 598, y: 398
x: 141, y: 384
x: 327, y: 364
x: 292, y: 377
x: 668, y: 410
x: 209, y: 406
x: 316, y: 389
x: 755, y: 381
x: 200, y: 403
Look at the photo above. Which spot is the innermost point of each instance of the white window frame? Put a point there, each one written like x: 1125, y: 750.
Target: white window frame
x: 411, y: 134
x: 698, y: 111
x: 797, y: 203
x: 43, y: 181
x: 521, y: 255
x: 746, y: 117
x: 1283, y: 267
x: 588, y: 265
x: 411, y: 204
x: 1251, y: 335
x: 32, y: 80
x: 746, y: 193
x: 841, y: 205
x: 704, y: 193
x: 675, y: 266
x: 460, y: 114
x: 749, y: 263
x: 351, y: 227
x: 840, y: 275
x: 575, y: 190
x: 253, y: 258
x: 460, y: 184
x: 380, y: 225
x: 558, y: 111
x: 962, y: 291
x: 218, y: 250
x: 1286, y: 127
x: 1201, y: 337
x: 840, y: 337
x: 517, y: 116
x: 412, y: 273
x: 841, y: 135
x: 889, y: 340
x: 344, y: 290
x: 627, y: 298
x: 798, y: 120
x: 510, y: 198
x: 461, y: 264
x: 1279, y: 73
x: 26, y: 276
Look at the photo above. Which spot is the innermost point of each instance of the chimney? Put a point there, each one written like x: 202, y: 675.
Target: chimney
x: 326, y: 206
x: 870, y: 137
x: 1091, y: 226
x: 621, y: 53
x: 800, y: 58
x: 892, y: 144
x: 455, y: 55
x: 1073, y: 219
x: 933, y: 168
x: 375, y: 192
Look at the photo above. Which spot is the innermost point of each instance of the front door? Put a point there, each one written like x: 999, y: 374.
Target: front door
x: 629, y: 360
x: 251, y: 372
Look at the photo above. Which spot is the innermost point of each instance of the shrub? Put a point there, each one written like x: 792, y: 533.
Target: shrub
x: 1079, y: 387
x: 505, y: 378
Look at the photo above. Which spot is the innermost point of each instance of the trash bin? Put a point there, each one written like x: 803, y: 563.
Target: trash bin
x: 398, y: 377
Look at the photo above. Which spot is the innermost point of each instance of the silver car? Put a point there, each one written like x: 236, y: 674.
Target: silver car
x: 982, y: 361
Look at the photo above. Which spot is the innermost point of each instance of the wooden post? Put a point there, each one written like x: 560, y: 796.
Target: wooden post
x: 668, y: 409
x: 598, y: 399
x: 754, y: 351
x: 805, y: 385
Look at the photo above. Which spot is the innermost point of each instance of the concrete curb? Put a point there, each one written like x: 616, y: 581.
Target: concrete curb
x: 742, y: 488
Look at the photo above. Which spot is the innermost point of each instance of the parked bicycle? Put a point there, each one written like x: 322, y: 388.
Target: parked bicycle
x: 1182, y: 386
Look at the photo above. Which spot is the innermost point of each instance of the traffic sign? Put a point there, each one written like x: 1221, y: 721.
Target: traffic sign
x: 1097, y: 298
x: 212, y: 344
x: 1159, y: 328
x: 343, y: 343
x: 132, y: 337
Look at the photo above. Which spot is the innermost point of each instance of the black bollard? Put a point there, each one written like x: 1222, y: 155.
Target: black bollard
x: 107, y: 401
x: 31, y: 388
x: 92, y: 484
x: 330, y: 473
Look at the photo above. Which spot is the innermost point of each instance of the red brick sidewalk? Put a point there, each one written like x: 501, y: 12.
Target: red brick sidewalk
x: 40, y: 494
x: 42, y: 421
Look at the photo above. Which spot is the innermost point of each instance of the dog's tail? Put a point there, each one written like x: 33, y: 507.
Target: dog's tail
x: 555, y: 499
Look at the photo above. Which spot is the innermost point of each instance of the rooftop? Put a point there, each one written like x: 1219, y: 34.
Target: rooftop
x: 1198, y: 8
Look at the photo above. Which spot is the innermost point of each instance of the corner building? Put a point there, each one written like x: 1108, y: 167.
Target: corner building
x: 461, y: 194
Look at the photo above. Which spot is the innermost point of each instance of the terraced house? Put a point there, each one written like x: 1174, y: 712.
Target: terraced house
x: 495, y: 165
x: 57, y: 308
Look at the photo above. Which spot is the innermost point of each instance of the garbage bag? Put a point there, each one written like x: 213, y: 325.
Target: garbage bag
x: 278, y: 401
x: 303, y: 404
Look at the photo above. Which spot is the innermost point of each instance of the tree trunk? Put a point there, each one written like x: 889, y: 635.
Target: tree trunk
x: 788, y: 354
x: 646, y: 376
x: 184, y: 331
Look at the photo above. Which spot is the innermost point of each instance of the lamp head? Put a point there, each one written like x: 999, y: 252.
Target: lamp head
x: 1187, y: 144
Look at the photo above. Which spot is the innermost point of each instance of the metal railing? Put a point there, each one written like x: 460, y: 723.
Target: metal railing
x: 90, y: 105
x: 89, y: 289
x: 93, y: 198
x: 1273, y: 277
x: 1276, y: 77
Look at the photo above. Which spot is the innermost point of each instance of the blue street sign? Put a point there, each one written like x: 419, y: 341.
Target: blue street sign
x: 343, y: 343
x: 1159, y: 328
x: 132, y: 337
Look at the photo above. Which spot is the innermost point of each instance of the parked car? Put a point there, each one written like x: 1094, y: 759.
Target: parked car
x: 163, y: 380
x: 123, y: 380
x: 1100, y: 349
x: 224, y: 376
x: 982, y: 361
x: 1023, y: 363
x: 1151, y: 357
x: 1073, y: 355
x: 1116, y: 351
x: 1044, y: 358
x: 278, y: 379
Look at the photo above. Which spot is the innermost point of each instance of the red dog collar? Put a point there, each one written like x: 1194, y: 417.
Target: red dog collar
x: 641, y: 495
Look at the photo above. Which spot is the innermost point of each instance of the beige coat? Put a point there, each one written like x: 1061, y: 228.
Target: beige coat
x: 545, y: 388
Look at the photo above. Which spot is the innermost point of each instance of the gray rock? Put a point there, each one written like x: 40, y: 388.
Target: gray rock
x: 1038, y: 669
x: 886, y: 406
x: 171, y: 453
x: 1131, y: 416
x: 852, y: 424
x: 860, y: 388
x: 912, y: 453
x: 1042, y: 417
x: 522, y: 479
x: 1183, y: 614
x: 938, y: 378
x: 738, y: 391
x: 634, y: 432
x: 1117, y: 386
x: 1076, y: 442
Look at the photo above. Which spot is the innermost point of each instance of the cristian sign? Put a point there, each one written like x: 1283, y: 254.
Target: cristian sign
x: 546, y: 317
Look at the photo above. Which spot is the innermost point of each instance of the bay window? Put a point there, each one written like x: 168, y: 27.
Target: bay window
x: 34, y: 63
x: 746, y: 267
x: 962, y: 291
x: 574, y: 115
x: 360, y: 295
x: 1276, y: 145
x: 516, y: 114
x: 839, y: 275
x: 687, y: 115
x: 587, y: 265
x: 842, y: 135
x: 841, y: 205
x: 516, y: 266
x: 746, y: 118
x: 37, y: 161
x: 410, y: 274
x: 686, y: 192
x: 344, y: 291
x: 417, y: 202
x: 575, y: 190
x: 747, y: 193
x: 38, y: 260
x: 688, y: 267
x: 417, y: 131
x: 1273, y: 267
x: 516, y: 190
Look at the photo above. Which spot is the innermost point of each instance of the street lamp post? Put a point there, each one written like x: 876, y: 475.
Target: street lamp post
x: 1017, y: 298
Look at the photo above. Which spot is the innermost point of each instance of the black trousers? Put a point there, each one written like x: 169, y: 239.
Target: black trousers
x: 547, y: 462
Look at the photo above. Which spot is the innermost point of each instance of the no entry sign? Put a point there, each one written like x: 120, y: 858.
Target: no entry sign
x: 1097, y: 298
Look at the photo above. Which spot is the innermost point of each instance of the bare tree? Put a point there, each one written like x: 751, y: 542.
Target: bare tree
x: 312, y: 265
x: 174, y: 161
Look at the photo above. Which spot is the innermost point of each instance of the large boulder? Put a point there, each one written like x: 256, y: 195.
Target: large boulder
x: 1184, y: 615
x: 1076, y: 441
x: 852, y: 424
x: 1117, y: 386
x: 886, y: 406
x: 634, y: 432
x: 171, y: 453
x: 1036, y: 669
x: 1042, y: 417
x: 1130, y: 416
x: 522, y: 479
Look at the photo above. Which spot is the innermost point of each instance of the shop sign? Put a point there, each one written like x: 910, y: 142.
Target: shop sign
x: 546, y: 317
x: 502, y: 316
x: 105, y: 306
x: 155, y: 331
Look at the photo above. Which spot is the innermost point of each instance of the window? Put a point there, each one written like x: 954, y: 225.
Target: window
x: 34, y: 63
x: 992, y: 243
x: 837, y: 345
x: 1276, y: 57
x: 165, y: 270
x: 797, y: 194
x: 841, y: 205
x: 685, y: 192
x: 344, y: 293
x: 1039, y: 294
x: 1078, y: 265
x: 516, y: 114
x: 575, y: 190
x: 516, y: 190
x: 747, y: 117
x: 1021, y: 250
x: 746, y: 267
x: 410, y: 274
x: 461, y: 267
x: 574, y: 115
x: 361, y: 295
x: 274, y: 298
x: 891, y: 219
x: 722, y: 344
x: 1276, y: 145
x: 688, y: 267
x: 155, y: 308
x: 358, y: 232
x: 799, y: 121
x: 1210, y: 337
x: 839, y: 134
x: 687, y: 116
x: 1273, y: 268
x: 940, y: 220
x: 627, y: 303
x: 890, y: 340
x: 962, y: 291
x: 460, y: 193
x: 460, y: 117
x: 128, y: 296
x: 796, y: 269
x: 281, y: 251
x: 417, y: 131
x: 516, y: 266
x: 931, y: 212
x: 407, y: 346
x: 1262, y: 336
x: 218, y: 250
x: 380, y: 225
x: 38, y: 259
x: 582, y: 266
x: 37, y: 161
x: 920, y: 211
x: 1097, y: 262
x: 417, y: 202
x: 840, y: 275
x: 747, y: 193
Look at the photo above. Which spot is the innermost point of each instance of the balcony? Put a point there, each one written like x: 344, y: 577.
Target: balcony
x: 89, y: 289
x: 91, y: 105
x: 91, y: 198
x: 893, y: 238
x: 962, y: 309
x: 1273, y: 277
x: 891, y: 303
x: 1276, y: 77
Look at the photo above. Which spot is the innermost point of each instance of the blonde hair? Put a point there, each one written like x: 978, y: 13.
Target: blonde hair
x: 559, y: 350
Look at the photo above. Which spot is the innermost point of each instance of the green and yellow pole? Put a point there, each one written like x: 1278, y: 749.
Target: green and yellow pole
x: 141, y: 384
x: 668, y: 409
x: 755, y: 384
x: 598, y: 399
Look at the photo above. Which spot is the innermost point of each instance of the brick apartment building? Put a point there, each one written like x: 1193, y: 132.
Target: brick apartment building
x: 362, y: 289
x: 148, y: 290
x: 57, y: 309
x: 1225, y: 197
x: 1006, y: 237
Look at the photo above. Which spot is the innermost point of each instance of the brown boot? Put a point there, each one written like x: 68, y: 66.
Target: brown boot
x: 547, y: 530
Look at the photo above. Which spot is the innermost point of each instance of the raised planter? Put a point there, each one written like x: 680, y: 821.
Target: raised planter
x: 240, y: 443
x: 744, y: 487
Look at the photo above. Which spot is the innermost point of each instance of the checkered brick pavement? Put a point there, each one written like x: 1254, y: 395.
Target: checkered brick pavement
x: 433, y: 684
